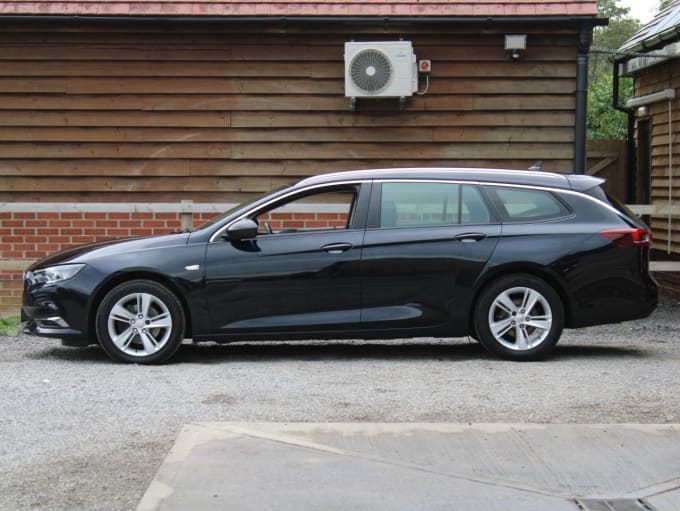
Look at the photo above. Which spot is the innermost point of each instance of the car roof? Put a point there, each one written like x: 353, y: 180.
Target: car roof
x: 578, y: 182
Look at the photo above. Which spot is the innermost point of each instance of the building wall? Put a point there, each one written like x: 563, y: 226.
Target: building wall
x: 141, y: 114
x: 656, y: 79
x: 214, y: 113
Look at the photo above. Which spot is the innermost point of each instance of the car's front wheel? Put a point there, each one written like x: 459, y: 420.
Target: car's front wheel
x: 519, y: 317
x: 140, y: 321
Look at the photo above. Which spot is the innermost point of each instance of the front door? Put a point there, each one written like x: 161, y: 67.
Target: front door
x: 301, y: 272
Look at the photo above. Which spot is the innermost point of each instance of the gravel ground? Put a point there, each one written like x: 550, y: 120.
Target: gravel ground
x: 80, y: 432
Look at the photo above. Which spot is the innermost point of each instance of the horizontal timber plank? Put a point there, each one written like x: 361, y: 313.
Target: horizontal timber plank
x: 222, y: 167
x: 312, y: 167
x: 268, y: 119
x: 507, y: 69
x: 114, y: 150
x: 660, y: 126
x: 99, y: 167
x: 162, y: 102
x: 432, y: 118
x: 147, y: 197
x: 281, y: 50
x: 265, y: 86
x: 141, y: 184
x: 510, y: 134
x: 521, y: 102
x: 221, y: 102
x: 400, y: 150
x: 172, y: 85
x: 440, y: 85
x: 140, y: 119
x: 275, y: 69
x: 184, y: 135
x: 494, y: 51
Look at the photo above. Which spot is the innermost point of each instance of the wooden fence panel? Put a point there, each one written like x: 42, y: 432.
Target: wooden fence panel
x: 607, y: 159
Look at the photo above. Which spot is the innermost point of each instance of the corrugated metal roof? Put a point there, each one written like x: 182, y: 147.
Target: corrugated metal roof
x: 281, y: 8
x: 663, y: 28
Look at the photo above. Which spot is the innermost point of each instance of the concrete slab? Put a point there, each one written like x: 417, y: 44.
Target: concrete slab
x: 486, y: 467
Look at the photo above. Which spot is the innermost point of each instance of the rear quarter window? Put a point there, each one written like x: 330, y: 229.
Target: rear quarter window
x: 527, y: 205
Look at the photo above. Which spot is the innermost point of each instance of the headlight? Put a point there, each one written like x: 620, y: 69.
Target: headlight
x: 55, y: 274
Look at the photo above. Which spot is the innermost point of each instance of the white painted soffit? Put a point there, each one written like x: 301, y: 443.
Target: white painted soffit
x: 650, y: 98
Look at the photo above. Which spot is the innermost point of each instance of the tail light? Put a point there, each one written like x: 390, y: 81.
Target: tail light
x: 626, y: 238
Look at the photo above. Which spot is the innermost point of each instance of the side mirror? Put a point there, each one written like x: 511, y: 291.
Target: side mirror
x: 242, y: 230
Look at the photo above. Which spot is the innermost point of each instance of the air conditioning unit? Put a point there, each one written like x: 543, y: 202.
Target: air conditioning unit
x: 380, y: 69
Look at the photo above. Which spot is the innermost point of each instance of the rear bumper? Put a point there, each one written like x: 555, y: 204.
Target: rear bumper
x: 615, y: 301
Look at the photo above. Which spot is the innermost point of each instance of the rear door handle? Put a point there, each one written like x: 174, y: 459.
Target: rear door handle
x: 470, y: 237
x: 336, y: 248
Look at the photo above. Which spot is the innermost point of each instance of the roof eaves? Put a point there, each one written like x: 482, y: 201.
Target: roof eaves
x: 590, y: 20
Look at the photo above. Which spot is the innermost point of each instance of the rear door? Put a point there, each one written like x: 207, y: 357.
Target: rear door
x: 425, y: 245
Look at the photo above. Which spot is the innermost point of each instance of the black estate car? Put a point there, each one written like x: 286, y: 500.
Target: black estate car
x: 507, y: 257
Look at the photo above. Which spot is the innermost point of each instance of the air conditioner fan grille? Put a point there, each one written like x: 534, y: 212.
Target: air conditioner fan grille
x: 370, y: 70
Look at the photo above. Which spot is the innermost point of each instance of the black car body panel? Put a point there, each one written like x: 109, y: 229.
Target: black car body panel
x: 368, y: 278
x: 105, y: 263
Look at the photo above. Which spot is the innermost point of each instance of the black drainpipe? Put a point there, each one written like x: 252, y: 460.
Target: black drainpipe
x: 584, y: 41
x: 630, y: 137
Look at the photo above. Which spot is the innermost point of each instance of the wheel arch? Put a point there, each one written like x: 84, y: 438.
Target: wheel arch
x: 121, y: 278
x: 549, y: 277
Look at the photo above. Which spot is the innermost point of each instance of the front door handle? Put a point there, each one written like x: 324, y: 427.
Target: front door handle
x: 470, y: 237
x: 336, y: 248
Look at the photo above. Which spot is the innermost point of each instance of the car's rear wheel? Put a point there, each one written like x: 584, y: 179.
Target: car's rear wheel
x: 519, y: 317
x: 140, y: 321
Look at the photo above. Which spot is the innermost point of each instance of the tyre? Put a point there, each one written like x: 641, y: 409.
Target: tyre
x: 140, y: 321
x: 519, y: 317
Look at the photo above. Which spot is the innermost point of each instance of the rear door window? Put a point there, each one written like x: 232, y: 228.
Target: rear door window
x: 431, y: 204
x: 527, y: 205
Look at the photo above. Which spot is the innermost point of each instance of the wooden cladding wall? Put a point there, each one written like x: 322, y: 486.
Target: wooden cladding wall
x: 654, y: 80
x: 140, y: 113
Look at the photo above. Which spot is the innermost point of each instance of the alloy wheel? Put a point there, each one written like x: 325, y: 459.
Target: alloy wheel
x: 520, y: 318
x: 139, y: 324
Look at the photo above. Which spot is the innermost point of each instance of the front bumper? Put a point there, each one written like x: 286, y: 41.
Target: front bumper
x: 45, y: 321
x: 54, y: 311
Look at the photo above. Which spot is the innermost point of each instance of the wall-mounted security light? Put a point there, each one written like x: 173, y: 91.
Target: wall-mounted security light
x: 515, y: 44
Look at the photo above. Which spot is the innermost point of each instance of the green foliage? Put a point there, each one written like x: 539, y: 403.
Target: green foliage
x: 609, y: 38
x: 10, y: 326
x: 663, y: 4
x: 610, y: 9
x: 605, y: 122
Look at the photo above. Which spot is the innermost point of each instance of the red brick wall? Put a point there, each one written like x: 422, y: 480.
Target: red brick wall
x: 303, y: 220
x: 27, y: 236
x: 34, y: 235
